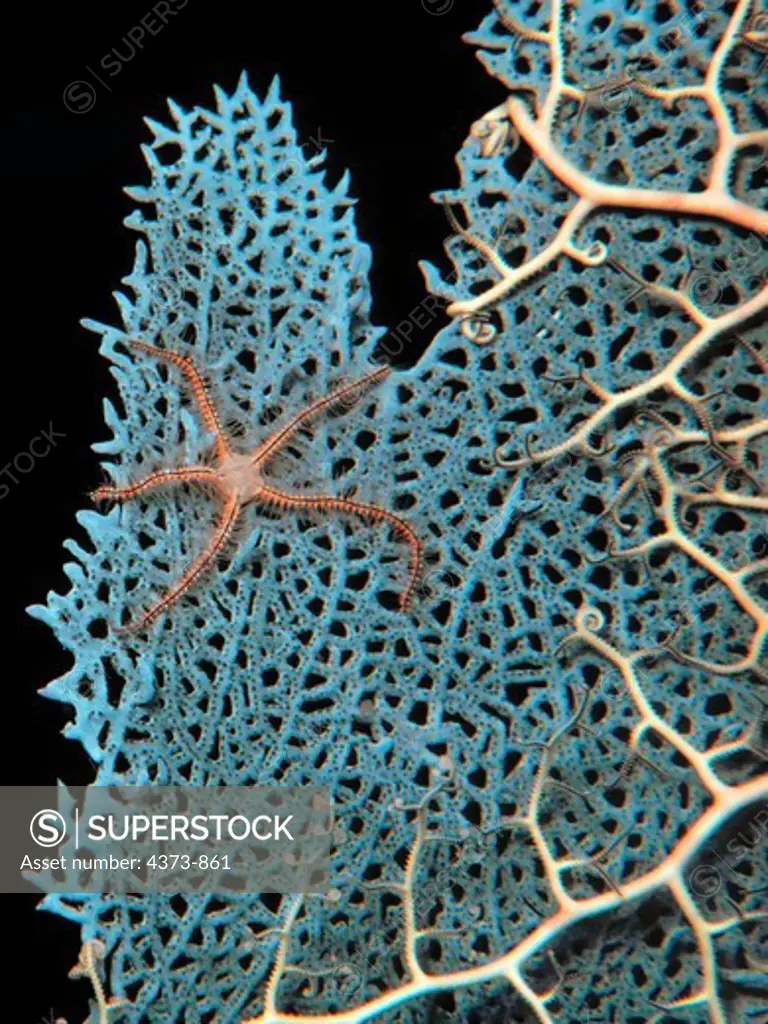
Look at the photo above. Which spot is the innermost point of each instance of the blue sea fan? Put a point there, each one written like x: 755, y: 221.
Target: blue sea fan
x: 536, y: 733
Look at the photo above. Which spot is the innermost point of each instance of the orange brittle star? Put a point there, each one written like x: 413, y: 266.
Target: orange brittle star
x: 238, y: 480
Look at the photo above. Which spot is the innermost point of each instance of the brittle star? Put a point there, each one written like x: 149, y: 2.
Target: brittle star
x: 239, y: 480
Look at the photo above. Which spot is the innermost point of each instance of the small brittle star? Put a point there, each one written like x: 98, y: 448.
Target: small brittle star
x: 239, y: 480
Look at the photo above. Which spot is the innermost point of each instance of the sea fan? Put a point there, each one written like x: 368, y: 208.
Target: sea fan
x: 538, y: 766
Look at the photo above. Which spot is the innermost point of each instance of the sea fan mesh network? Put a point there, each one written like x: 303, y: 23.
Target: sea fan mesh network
x: 538, y: 771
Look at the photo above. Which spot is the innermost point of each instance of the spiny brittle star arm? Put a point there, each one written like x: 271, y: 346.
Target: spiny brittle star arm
x: 273, y: 496
x: 222, y: 480
x: 198, y: 567
x: 188, y: 474
x: 278, y: 440
x: 199, y: 389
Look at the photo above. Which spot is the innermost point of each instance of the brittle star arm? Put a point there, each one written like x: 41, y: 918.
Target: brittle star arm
x: 273, y: 496
x: 185, y: 475
x: 282, y: 436
x: 200, y: 390
x: 198, y: 567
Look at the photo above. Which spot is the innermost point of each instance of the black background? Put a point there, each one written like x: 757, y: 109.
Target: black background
x: 395, y: 89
